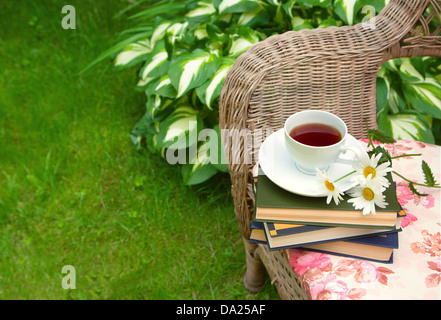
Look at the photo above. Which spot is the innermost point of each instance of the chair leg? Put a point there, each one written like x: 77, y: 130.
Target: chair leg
x: 254, y: 276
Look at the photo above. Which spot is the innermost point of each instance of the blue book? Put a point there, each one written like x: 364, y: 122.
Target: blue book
x: 375, y: 248
x: 281, y: 235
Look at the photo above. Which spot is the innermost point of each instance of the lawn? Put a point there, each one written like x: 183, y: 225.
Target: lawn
x: 73, y: 189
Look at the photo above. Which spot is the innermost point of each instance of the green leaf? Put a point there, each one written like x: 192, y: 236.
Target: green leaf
x: 220, y: 160
x: 196, y: 174
x: 385, y: 156
x: 396, y: 101
x: 424, y: 96
x: 347, y: 10
x: 410, y: 125
x: 428, y: 174
x: 199, y: 168
x: 382, y: 95
x: 235, y: 6
x: 328, y: 23
x: 299, y: 24
x: 210, y: 90
x: 242, y: 40
x: 384, y: 124
x: 133, y: 53
x: 170, y: 8
x: 377, y: 4
x: 158, y: 107
x: 144, y: 130
x: 161, y: 87
x: 319, y: 3
x: 191, y: 70
x: 408, y: 70
x: 415, y: 191
x: 159, y: 32
x: 180, y: 129
x: 258, y: 16
x: 176, y: 31
x: 202, y: 11
x: 156, y: 65
x: 375, y: 135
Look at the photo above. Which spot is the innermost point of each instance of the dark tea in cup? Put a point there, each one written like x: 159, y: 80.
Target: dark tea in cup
x: 316, y: 134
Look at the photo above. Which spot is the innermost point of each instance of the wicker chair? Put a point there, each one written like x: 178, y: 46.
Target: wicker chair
x: 332, y: 69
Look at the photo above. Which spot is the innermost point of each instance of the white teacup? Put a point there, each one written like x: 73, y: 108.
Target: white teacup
x: 308, y: 157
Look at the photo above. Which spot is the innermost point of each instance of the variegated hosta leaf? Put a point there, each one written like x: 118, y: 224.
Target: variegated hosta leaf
x: 144, y: 128
x: 176, y: 31
x: 407, y: 126
x: 299, y: 24
x: 347, y: 9
x: 241, y: 41
x: 206, y: 158
x: 383, y: 88
x: 377, y: 4
x: 156, y: 65
x: 162, y: 87
x: 320, y: 3
x: 201, y: 32
x: 199, y: 168
x: 180, y: 129
x: 210, y: 90
x: 158, y: 107
x: 234, y: 6
x: 191, y: 70
x: 408, y: 68
x: 133, y: 53
x: 328, y: 23
x: 424, y: 96
x: 159, y: 32
x: 396, y: 101
x: 257, y: 16
x: 274, y: 2
x: 203, y: 9
x: 202, y: 164
x: 217, y: 152
x: 423, y: 92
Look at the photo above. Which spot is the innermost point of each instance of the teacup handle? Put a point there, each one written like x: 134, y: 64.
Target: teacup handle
x: 344, y: 150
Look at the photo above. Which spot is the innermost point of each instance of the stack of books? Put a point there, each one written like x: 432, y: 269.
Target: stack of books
x: 285, y: 220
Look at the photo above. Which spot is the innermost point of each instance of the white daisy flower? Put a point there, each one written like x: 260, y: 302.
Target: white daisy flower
x: 366, y: 166
x: 367, y: 195
x: 329, y: 186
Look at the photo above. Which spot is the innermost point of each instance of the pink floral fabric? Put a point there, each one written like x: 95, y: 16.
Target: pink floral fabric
x: 416, y: 270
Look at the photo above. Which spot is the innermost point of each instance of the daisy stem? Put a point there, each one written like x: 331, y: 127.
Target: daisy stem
x: 407, y: 155
x: 415, y: 183
x: 346, y: 175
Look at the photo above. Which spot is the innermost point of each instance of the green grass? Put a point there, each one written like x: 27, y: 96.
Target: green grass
x: 74, y: 191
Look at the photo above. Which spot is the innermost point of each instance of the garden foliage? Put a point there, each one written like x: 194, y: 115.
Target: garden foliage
x: 184, y: 50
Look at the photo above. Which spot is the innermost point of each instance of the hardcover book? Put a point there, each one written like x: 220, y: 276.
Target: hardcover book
x: 280, y: 236
x: 274, y: 204
x: 375, y: 248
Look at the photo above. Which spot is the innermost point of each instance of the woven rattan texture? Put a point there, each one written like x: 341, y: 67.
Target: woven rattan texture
x: 332, y: 69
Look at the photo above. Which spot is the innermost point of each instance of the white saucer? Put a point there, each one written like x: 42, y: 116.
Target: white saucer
x: 281, y: 169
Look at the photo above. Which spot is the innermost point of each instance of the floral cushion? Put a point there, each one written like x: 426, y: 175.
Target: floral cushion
x: 416, y: 269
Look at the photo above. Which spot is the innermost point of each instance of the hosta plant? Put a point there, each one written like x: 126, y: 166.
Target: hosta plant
x: 184, y: 49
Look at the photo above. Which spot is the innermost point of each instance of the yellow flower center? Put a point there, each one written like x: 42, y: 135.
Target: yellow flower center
x: 368, y: 194
x: 368, y: 171
x: 329, y: 185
